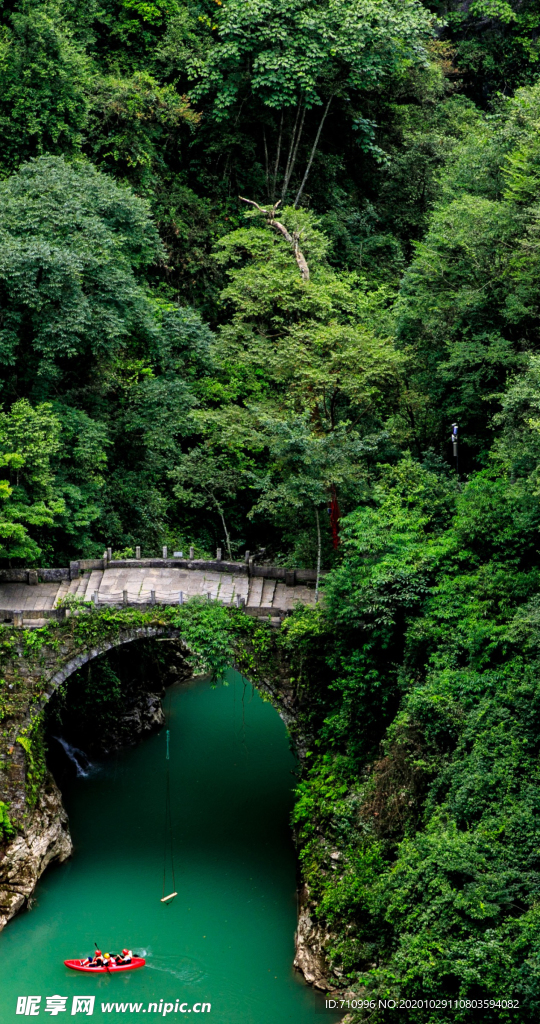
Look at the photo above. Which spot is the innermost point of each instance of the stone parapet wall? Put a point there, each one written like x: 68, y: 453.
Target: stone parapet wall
x: 197, y: 564
x: 91, y: 563
x: 33, y: 576
x: 14, y: 575
x: 271, y: 572
x: 53, y: 575
x: 15, y: 616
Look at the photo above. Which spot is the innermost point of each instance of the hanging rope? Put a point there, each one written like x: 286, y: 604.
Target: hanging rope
x: 169, y: 837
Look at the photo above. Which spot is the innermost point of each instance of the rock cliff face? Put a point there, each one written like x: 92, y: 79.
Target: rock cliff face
x: 144, y: 717
x: 310, y: 942
x: 44, y: 838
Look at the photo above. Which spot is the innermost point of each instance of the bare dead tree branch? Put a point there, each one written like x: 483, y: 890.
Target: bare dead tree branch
x: 260, y: 208
x: 293, y: 239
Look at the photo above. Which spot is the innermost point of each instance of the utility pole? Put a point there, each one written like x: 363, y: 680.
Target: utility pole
x: 454, y: 439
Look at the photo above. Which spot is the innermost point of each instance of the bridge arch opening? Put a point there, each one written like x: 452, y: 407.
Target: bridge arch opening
x: 105, y: 699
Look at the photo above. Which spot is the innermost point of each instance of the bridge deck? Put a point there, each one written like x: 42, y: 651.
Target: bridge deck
x: 258, y: 594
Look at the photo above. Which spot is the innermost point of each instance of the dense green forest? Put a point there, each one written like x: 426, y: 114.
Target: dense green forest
x: 256, y: 258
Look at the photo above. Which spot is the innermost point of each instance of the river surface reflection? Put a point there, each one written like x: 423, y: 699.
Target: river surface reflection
x: 227, y: 938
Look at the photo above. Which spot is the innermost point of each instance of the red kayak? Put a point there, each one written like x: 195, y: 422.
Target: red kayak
x: 77, y: 965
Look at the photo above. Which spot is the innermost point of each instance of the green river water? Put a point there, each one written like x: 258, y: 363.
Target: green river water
x: 227, y: 939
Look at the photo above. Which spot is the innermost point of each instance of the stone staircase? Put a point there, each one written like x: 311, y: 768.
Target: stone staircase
x: 78, y: 588
x: 261, y: 593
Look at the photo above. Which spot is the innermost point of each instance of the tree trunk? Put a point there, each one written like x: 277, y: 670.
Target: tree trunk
x: 313, y: 151
x: 227, y: 538
x: 335, y: 515
x: 278, y: 153
x: 318, y: 555
x: 292, y: 153
x: 291, y: 144
x: 222, y: 517
x: 267, y: 171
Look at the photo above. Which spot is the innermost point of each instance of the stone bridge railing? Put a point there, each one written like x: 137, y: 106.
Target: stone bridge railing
x: 249, y: 567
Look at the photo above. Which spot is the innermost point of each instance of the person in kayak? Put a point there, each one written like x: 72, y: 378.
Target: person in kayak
x: 108, y: 960
x: 94, y: 960
x: 126, y: 957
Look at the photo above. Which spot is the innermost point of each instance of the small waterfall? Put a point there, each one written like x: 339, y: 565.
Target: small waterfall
x: 77, y: 757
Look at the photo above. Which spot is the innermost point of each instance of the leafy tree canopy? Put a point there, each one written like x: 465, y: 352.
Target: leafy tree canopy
x: 298, y: 49
x: 71, y: 243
